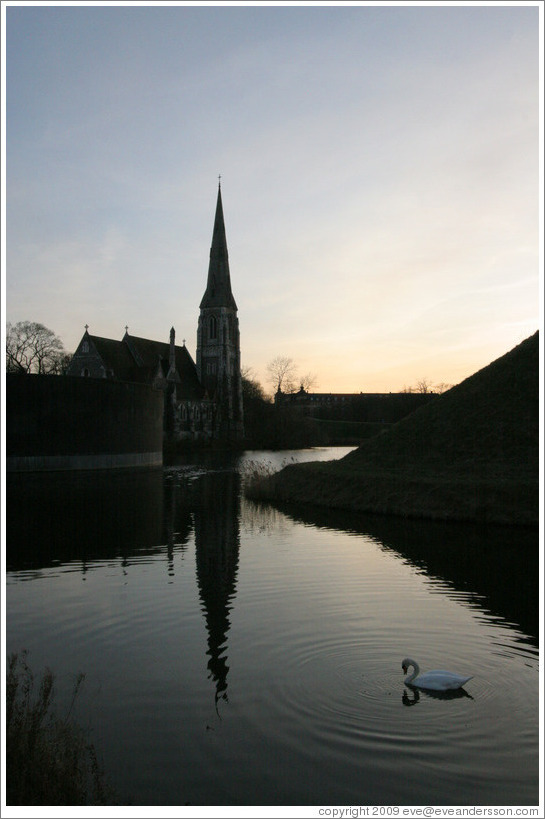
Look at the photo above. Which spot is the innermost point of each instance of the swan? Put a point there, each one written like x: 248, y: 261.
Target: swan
x: 432, y: 680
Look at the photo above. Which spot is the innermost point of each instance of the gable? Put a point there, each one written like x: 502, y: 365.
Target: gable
x: 98, y: 357
x: 116, y: 358
x: 152, y: 353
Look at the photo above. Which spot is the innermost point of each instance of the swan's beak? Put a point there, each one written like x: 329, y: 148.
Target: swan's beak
x: 404, y: 667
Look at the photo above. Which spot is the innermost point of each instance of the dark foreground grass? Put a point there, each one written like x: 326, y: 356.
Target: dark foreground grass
x: 471, y: 454
x: 49, y: 759
x: 403, y: 492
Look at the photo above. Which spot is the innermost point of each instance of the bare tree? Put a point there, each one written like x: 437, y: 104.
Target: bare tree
x: 424, y: 385
x: 282, y: 374
x: 442, y: 387
x: 60, y: 367
x: 32, y: 348
x: 251, y: 388
x: 308, y: 381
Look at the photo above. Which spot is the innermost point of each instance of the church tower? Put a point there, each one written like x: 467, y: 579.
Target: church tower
x: 218, y: 337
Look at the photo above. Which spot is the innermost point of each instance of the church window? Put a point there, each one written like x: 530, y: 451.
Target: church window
x: 213, y: 327
x: 85, y: 372
x: 85, y: 347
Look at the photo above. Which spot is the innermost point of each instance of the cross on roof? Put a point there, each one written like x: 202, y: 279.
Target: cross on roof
x: 86, y: 327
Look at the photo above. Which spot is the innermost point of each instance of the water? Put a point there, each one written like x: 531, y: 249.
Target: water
x: 237, y: 654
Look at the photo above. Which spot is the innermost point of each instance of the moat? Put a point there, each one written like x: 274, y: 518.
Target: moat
x: 238, y: 654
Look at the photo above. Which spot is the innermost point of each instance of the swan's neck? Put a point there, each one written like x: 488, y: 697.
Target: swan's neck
x: 416, y: 671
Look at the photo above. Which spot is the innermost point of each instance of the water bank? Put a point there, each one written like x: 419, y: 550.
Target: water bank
x: 404, y: 492
x: 470, y: 455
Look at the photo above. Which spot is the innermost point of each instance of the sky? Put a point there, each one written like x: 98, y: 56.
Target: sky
x: 380, y: 175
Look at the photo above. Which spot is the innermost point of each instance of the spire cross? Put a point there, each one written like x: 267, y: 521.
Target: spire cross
x: 86, y: 327
x: 219, y: 181
x: 126, y: 328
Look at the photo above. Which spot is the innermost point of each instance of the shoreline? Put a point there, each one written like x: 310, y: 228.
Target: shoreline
x: 431, y: 495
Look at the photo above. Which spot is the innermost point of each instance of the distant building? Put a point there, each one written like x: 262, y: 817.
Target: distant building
x: 202, y: 400
x: 360, y: 406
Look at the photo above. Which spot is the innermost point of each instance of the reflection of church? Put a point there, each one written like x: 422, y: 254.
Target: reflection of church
x: 203, y: 399
x: 141, y: 515
x: 217, y: 541
x: 209, y: 508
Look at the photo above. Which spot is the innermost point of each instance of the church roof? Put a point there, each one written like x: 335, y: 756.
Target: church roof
x: 149, y: 353
x: 218, y: 291
x: 139, y: 359
x: 116, y: 357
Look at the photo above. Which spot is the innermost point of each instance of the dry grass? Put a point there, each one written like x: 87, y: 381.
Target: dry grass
x: 49, y: 759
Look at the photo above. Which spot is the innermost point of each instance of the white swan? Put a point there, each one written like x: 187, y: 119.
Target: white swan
x: 432, y: 680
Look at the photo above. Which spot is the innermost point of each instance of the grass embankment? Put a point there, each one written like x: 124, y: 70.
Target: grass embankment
x: 49, y: 759
x: 471, y: 454
x: 347, y: 433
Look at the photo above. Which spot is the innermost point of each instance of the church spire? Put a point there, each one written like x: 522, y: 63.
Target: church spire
x: 218, y: 291
x: 218, y: 338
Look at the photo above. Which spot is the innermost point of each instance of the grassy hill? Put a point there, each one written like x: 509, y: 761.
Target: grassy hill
x: 471, y: 454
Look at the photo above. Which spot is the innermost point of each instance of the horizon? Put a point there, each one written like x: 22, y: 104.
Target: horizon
x: 379, y: 173
x: 315, y: 390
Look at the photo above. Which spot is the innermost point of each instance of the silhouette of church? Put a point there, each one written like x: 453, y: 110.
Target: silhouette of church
x: 202, y: 400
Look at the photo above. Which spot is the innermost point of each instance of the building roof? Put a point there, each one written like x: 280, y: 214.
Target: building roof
x: 142, y: 360
x: 149, y: 354
x: 116, y: 357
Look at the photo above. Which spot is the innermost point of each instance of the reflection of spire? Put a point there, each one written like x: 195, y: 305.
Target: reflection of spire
x: 217, y: 546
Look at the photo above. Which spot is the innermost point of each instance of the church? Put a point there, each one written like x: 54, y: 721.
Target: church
x: 203, y: 400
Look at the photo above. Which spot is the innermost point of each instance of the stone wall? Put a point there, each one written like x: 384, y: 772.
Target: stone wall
x: 58, y: 422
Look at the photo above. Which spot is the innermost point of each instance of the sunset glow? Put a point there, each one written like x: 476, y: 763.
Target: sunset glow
x: 379, y: 169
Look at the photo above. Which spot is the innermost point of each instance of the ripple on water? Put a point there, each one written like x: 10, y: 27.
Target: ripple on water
x: 303, y: 689
x: 344, y: 692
